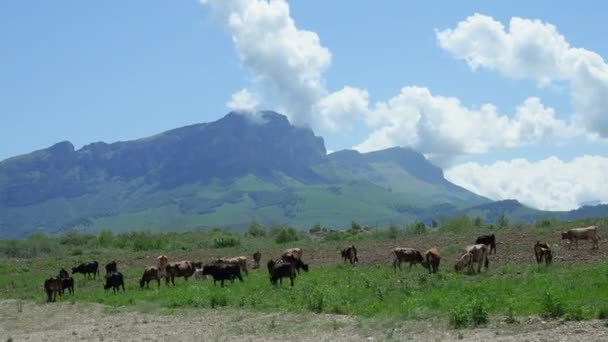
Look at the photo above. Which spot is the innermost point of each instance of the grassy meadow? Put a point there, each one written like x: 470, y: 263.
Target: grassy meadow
x: 509, y: 289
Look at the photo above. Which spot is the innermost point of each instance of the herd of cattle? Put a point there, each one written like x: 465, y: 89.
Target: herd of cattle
x: 290, y: 263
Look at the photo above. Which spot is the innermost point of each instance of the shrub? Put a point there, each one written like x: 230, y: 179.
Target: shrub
x: 317, y: 228
x: 285, y: 235
x: 218, y: 300
x: 105, y: 238
x: 551, y: 307
x: 225, y: 241
x: 576, y: 314
x: 502, y: 222
x: 459, y: 317
x: 418, y: 228
x: 256, y: 229
x: 479, y: 315
x: 393, y: 231
x: 603, y: 313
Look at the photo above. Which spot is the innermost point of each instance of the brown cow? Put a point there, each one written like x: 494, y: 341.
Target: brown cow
x: 150, y: 273
x: 257, y: 256
x: 295, y: 252
x: 178, y: 269
x: 350, y: 254
x: 411, y: 255
x: 53, y: 287
x: 162, y: 264
x: 240, y: 261
x: 542, y: 251
x: 473, y: 254
x: 588, y: 233
x: 432, y: 259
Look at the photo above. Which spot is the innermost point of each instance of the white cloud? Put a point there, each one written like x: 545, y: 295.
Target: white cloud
x: 442, y: 127
x: 549, y: 184
x: 531, y: 49
x: 288, y: 61
x: 243, y: 100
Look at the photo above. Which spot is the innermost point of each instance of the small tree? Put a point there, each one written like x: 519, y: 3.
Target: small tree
x: 502, y: 222
x: 256, y: 229
x: 478, y: 222
x: 288, y: 234
x: 434, y: 223
x: 393, y: 231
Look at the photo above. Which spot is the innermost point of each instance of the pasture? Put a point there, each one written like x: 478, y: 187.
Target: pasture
x: 573, y: 287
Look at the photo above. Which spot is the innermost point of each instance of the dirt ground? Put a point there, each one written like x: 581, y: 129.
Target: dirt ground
x: 27, y: 321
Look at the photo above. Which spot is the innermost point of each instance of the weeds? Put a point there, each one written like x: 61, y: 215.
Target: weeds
x: 552, y: 308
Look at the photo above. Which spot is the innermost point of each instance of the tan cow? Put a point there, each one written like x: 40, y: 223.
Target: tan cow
x: 240, y: 261
x: 542, y: 251
x: 588, y: 233
x: 473, y: 254
x: 162, y: 265
x: 432, y: 259
x: 293, y: 252
x: 178, y: 269
x: 404, y: 254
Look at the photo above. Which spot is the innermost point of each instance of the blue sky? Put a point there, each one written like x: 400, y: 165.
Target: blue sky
x: 119, y: 70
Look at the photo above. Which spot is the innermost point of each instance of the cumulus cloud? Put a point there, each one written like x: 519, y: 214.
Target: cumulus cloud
x: 243, y: 100
x: 537, y: 184
x: 289, y: 61
x: 338, y: 109
x: 442, y: 127
x: 532, y: 49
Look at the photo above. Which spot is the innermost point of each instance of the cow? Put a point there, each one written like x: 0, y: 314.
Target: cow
x: 240, y: 261
x: 52, y: 287
x: 296, y: 252
x: 150, y: 273
x: 473, y: 254
x: 111, y: 267
x: 297, y: 263
x: 162, y: 264
x: 431, y: 260
x: 350, y: 254
x: 588, y: 233
x: 488, y: 240
x: 178, y: 269
x: 411, y: 255
x: 542, y: 251
x: 222, y: 271
x: 63, y: 274
x: 87, y: 268
x: 114, y: 280
x: 67, y: 283
x: 257, y: 256
x: 198, y: 274
x: 281, y: 270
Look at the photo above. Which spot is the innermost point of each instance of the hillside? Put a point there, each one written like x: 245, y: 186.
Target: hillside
x: 224, y: 173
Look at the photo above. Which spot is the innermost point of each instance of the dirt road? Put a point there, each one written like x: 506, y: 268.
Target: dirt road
x: 26, y: 321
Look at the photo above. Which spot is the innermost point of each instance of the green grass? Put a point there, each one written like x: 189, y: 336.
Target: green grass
x: 574, y: 292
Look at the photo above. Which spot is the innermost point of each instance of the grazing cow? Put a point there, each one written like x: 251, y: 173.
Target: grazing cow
x: 488, y: 240
x: 281, y: 270
x: 432, y: 259
x: 297, y: 263
x: 67, y: 283
x: 222, y: 271
x: 473, y: 254
x: 63, y: 274
x: 197, y: 264
x: 350, y: 254
x: 240, y: 261
x: 162, y: 264
x: 111, y: 267
x: 150, y: 273
x: 411, y: 255
x: 542, y: 251
x: 52, y: 287
x: 588, y: 233
x: 257, y: 256
x: 87, y: 268
x: 178, y: 269
x: 295, y: 252
x: 114, y: 280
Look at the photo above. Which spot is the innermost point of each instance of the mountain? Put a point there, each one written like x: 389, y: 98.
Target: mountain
x: 223, y: 173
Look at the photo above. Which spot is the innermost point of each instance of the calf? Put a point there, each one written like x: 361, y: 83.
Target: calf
x: 350, y: 254
x: 150, y: 273
x: 257, y: 256
x: 473, y: 254
x: 432, y: 259
x: 178, y: 269
x: 67, y: 283
x: 281, y: 270
x: 413, y: 256
x: 111, y: 267
x: 240, y: 261
x: 52, y: 287
x: 115, y: 281
x: 542, y: 251
x: 488, y: 240
x: 87, y: 268
x: 589, y: 233
x: 222, y: 271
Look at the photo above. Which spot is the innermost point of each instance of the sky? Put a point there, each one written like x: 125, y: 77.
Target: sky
x: 509, y: 98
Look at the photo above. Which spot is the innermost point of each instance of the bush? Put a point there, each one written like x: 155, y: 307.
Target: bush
x: 464, y: 315
x: 256, y: 229
x: 459, y: 317
x: 479, y: 315
x: 551, y: 307
x: 393, y: 231
x: 285, y: 235
x: 603, y: 313
x: 225, y: 241
x: 418, y: 228
x: 317, y: 228
x: 502, y: 222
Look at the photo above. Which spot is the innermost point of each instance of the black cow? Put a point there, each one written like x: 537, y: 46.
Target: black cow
x: 222, y: 271
x: 488, y: 240
x: 295, y: 261
x: 52, y: 287
x: 281, y: 270
x: 111, y: 267
x: 67, y: 283
x: 87, y: 268
x: 350, y: 254
x: 115, y: 281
